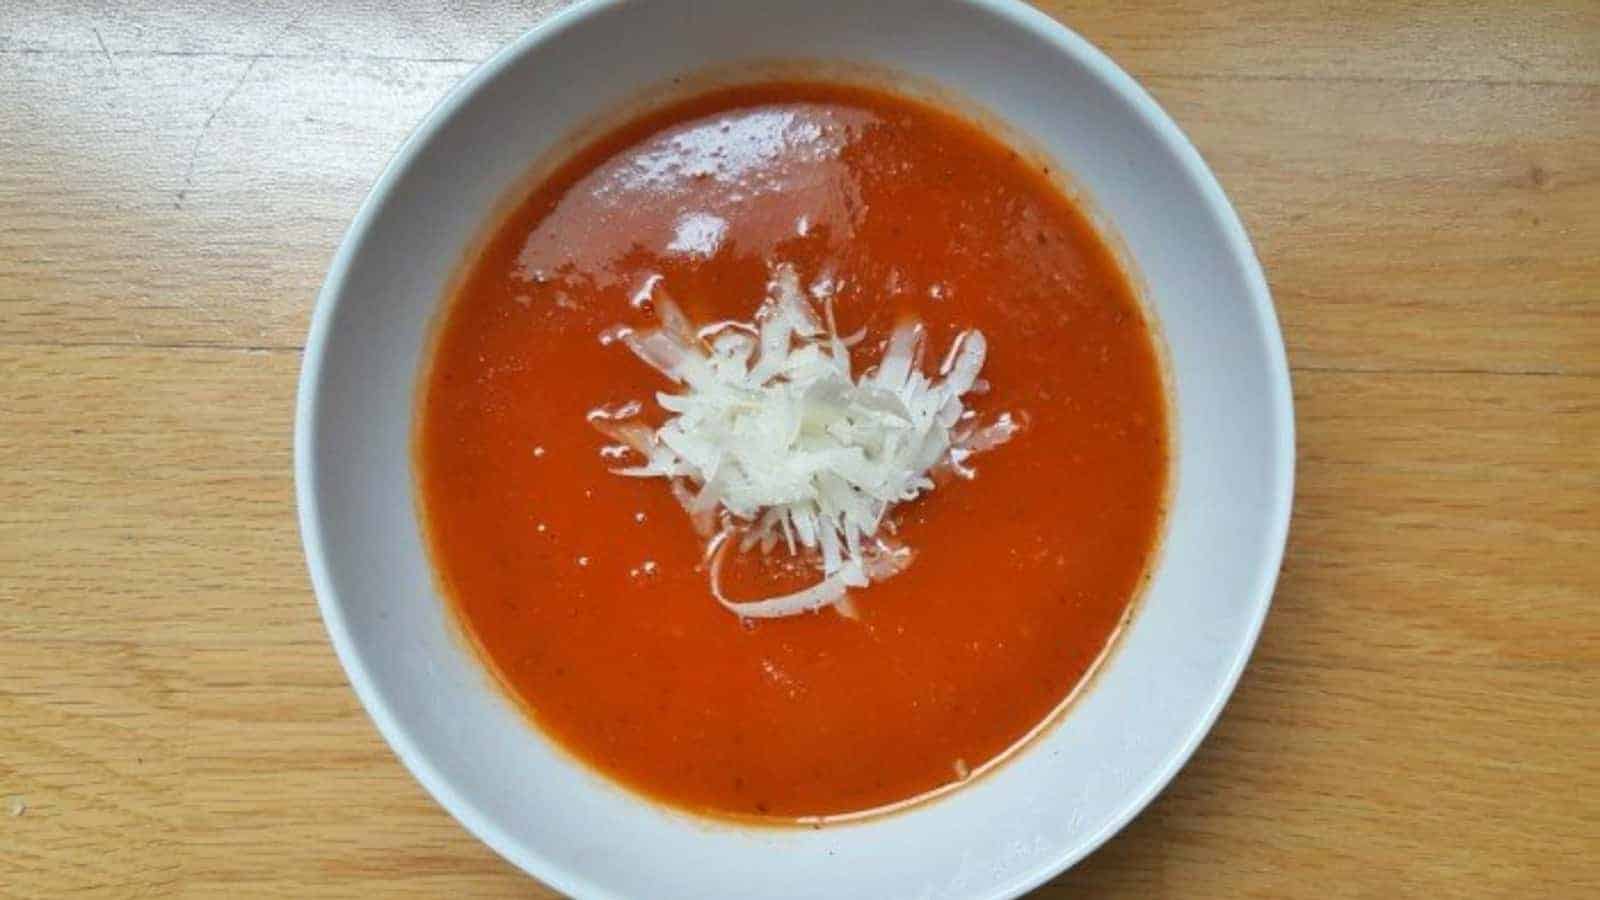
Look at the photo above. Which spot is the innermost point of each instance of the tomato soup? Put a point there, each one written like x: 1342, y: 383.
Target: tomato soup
x: 586, y: 592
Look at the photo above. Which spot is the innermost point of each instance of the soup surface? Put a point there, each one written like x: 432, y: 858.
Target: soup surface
x: 585, y: 591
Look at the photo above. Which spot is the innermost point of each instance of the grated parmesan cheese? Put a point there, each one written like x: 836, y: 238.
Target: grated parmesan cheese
x: 772, y: 439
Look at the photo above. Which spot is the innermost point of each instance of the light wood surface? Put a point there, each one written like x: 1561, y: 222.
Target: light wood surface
x: 1422, y: 716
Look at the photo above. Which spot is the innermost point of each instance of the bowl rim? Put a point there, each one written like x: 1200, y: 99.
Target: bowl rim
x: 310, y: 384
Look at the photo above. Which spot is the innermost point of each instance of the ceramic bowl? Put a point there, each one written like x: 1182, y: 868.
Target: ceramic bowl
x: 1058, y: 798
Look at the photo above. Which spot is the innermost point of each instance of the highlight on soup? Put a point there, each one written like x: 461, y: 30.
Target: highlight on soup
x: 793, y: 451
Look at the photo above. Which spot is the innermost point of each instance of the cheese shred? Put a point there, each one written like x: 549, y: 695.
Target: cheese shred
x: 771, y: 440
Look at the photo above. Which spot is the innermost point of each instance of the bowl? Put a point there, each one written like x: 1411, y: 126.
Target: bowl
x: 1055, y: 800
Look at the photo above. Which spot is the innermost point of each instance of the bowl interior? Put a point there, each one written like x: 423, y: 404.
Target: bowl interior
x: 1065, y: 793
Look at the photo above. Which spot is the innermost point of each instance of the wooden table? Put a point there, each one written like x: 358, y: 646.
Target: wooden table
x: 1422, y: 716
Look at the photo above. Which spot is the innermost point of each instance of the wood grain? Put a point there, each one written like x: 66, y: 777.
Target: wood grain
x: 1421, y: 717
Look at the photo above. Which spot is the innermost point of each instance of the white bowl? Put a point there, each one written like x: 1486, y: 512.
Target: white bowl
x: 1064, y: 794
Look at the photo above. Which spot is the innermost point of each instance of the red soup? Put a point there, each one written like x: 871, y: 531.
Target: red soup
x: 587, y: 592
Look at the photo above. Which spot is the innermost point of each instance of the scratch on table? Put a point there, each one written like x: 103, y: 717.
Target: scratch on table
x: 110, y: 60
x: 199, y: 139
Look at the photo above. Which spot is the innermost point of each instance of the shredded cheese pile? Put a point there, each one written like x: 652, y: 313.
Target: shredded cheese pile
x: 772, y: 439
